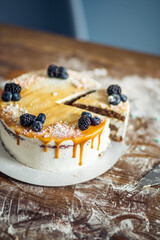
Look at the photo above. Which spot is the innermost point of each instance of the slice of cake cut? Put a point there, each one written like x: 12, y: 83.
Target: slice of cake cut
x: 40, y: 131
x: 104, y: 104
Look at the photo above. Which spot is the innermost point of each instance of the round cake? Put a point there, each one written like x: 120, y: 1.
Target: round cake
x: 40, y: 127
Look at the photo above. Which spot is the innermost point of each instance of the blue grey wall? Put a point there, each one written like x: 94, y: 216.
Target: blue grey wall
x: 131, y: 24
x: 48, y: 15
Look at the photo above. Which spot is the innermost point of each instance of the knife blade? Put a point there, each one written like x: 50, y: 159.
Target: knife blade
x: 152, y: 178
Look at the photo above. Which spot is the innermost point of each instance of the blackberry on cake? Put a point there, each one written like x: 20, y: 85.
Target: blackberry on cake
x: 41, y: 117
x: 12, y: 87
x: 123, y: 98
x: 114, y: 89
x: 6, y: 96
x: 114, y: 99
x: 37, y: 126
x: 84, y: 123
x: 63, y: 73
x: 16, y: 97
x: 57, y: 72
x: 52, y: 71
x: 95, y: 121
x: 86, y: 114
x: 27, y: 119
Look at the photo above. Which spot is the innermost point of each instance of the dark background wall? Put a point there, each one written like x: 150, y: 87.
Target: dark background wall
x: 131, y: 24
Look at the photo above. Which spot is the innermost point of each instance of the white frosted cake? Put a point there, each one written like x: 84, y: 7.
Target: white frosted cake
x: 43, y: 124
x: 60, y: 144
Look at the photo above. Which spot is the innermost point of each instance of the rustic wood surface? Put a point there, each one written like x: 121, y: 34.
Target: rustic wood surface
x: 108, y: 207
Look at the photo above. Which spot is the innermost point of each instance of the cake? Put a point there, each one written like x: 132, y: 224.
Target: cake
x: 43, y: 124
x: 60, y: 145
x: 99, y: 102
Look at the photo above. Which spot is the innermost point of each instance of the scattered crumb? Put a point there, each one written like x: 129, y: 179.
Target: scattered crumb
x: 143, y: 148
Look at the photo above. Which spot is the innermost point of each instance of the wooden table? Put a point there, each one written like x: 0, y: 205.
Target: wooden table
x: 107, y: 207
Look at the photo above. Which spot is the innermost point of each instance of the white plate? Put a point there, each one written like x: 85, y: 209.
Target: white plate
x: 16, y: 170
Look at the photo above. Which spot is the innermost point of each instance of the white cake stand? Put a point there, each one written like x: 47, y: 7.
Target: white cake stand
x: 17, y: 170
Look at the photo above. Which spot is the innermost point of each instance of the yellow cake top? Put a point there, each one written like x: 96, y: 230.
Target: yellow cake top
x: 42, y: 94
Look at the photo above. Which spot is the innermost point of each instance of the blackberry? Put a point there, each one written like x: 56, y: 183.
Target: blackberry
x: 123, y: 98
x: 27, y: 119
x: 62, y: 69
x: 114, y: 89
x: 53, y: 71
x: 57, y: 72
x: 63, y: 75
x: 12, y: 87
x: 114, y: 99
x: 37, y: 126
x: 16, y: 97
x: 6, y: 96
x: 95, y: 121
x: 41, y: 117
x: 83, y: 123
x: 86, y: 114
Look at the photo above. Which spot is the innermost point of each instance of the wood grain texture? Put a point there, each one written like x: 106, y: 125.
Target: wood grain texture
x: 107, y: 207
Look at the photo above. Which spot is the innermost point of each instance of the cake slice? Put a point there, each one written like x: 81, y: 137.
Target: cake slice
x: 103, y: 103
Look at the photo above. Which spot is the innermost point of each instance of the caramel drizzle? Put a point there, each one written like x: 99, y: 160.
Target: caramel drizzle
x: 81, y: 147
x: 58, y: 143
x: 75, y: 150
x: 81, y: 153
x: 92, y: 142
x: 99, y: 141
x: 57, y: 148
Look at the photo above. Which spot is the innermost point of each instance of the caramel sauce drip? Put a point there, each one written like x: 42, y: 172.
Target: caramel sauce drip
x: 99, y: 141
x: 92, y: 142
x: 74, y: 150
x: 81, y: 153
x: 57, y: 148
x: 88, y: 134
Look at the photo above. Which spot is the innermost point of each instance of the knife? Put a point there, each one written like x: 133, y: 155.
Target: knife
x: 152, y: 178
